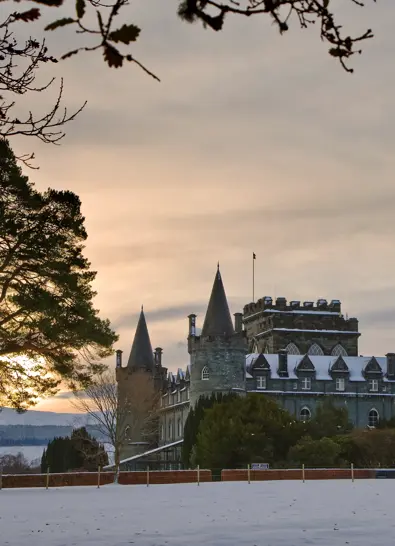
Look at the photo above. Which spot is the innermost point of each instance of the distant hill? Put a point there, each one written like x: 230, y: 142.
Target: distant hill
x: 9, y: 416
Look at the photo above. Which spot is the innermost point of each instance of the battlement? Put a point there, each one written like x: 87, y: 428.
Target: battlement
x: 280, y: 305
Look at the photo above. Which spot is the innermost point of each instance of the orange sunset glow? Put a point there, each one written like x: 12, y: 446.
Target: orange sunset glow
x: 251, y: 142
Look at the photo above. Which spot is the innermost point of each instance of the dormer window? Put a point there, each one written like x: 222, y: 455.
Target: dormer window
x: 340, y: 384
x: 261, y: 382
x: 205, y: 374
x: 373, y: 385
x: 306, y: 383
x: 178, y: 396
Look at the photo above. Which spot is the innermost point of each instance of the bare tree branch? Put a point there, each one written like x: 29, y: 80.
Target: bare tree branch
x: 120, y: 414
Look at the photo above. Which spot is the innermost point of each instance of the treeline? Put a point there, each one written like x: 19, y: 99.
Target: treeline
x: 231, y: 432
x: 11, y: 435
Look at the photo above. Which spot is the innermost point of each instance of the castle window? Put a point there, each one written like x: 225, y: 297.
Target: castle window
x: 178, y: 396
x: 205, y: 374
x: 374, y: 418
x: 162, y: 432
x: 315, y: 350
x: 292, y: 349
x: 339, y: 350
x: 170, y: 430
x: 305, y: 414
x: 188, y: 393
x: 340, y: 384
x: 261, y: 382
x: 306, y: 383
x: 373, y: 385
x: 126, y: 433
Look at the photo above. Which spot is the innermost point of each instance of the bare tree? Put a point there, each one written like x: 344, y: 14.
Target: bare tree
x: 19, y: 63
x: 121, y: 415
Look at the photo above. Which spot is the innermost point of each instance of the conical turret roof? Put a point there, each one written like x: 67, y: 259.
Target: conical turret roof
x: 218, y: 321
x: 141, y: 355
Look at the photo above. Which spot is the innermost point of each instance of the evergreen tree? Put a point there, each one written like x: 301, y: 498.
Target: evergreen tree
x: 49, y: 329
x: 245, y: 430
x: 329, y: 420
x: 195, y: 417
x: 80, y: 451
x: 322, y: 453
x: 86, y: 453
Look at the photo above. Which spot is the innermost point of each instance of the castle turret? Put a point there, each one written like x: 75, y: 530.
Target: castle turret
x: 218, y: 354
x: 141, y: 356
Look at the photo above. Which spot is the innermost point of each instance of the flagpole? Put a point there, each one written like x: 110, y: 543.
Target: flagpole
x: 253, y: 277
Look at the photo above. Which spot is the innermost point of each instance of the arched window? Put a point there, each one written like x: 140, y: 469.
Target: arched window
x: 315, y: 350
x: 205, y: 374
x: 170, y: 430
x: 292, y: 349
x: 339, y: 350
x: 305, y: 414
x: 374, y: 418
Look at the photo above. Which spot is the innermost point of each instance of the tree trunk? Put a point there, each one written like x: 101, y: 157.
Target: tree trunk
x: 117, y: 459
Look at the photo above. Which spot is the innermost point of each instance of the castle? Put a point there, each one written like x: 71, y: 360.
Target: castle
x: 297, y: 353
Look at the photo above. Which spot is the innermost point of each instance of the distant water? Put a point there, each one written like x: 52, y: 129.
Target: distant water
x: 34, y: 453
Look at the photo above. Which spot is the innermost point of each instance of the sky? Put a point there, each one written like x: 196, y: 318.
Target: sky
x: 251, y: 142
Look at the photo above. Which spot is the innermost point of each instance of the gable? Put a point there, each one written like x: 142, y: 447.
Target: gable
x: 373, y: 367
x: 339, y: 366
x: 305, y: 365
x: 260, y: 363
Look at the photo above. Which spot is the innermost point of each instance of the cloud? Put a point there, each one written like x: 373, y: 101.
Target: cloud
x: 161, y: 315
x: 252, y: 142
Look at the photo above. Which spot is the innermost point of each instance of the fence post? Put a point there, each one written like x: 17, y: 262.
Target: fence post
x: 352, y: 471
x: 249, y: 473
x: 47, y: 479
x: 98, y: 477
x: 147, y: 475
x: 198, y: 474
x: 303, y: 473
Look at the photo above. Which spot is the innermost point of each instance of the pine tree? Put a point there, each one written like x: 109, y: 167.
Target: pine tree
x: 194, y: 419
x: 80, y: 451
x: 49, y: 329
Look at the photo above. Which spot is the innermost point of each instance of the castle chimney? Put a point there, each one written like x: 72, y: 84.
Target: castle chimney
x: 118, y: 358
x: 238, y: 322
x: 390, y: 365
x: 192, y: 325
x: 158, y: 356
x: 282, y: 363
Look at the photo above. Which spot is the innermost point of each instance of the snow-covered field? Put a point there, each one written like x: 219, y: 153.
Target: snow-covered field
x: 327, y: 513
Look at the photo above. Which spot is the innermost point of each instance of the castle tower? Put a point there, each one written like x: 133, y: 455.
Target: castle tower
x: 218, y: 354
x: 138, y: 382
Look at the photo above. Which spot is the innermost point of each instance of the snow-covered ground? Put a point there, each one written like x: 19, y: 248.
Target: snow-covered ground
x: 327, y: 513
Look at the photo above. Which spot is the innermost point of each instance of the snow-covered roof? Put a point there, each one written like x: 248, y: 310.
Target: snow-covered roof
x: 322, y: 365
x: 150, y: 452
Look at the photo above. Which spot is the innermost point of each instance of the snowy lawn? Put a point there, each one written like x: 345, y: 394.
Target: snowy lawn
x: 319, y: 513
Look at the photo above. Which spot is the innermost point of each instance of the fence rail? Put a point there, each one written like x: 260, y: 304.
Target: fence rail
x: 154, y: 477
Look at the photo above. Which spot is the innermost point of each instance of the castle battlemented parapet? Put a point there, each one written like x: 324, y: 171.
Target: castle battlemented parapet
x: 300, y: 327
